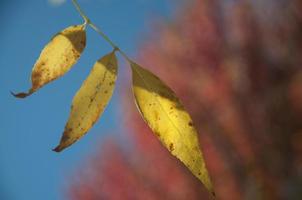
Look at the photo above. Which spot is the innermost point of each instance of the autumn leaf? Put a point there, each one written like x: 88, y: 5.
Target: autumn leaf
x: 57, y: 57
x: 166, y: 116
x: 91, y: 100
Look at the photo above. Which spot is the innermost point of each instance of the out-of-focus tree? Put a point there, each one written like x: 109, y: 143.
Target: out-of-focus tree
x: 237, y: 67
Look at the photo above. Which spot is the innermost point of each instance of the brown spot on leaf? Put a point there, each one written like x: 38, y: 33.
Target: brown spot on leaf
x: 42, y: 63
x: 156, y: 115
x: 171, y: 147
x: 213, y: 193
x: 157, y: 133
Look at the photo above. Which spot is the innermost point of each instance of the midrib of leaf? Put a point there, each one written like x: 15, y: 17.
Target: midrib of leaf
x: 100, y: 84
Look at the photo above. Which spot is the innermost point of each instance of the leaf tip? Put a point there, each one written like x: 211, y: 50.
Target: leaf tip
x: 58, y: 149
x: 64, y: 143
x: 21, y: 95
x: 213, y: 195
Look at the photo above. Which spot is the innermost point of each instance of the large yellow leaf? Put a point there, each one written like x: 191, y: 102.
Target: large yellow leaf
x: 91, y: 100
x: 165, y: 115
x: 57, y: 57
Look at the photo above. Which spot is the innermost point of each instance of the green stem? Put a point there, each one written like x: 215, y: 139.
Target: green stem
x: 94, y: 27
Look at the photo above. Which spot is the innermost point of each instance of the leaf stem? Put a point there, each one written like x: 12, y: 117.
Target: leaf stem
x: 98, y: 30
x: 77, y: 6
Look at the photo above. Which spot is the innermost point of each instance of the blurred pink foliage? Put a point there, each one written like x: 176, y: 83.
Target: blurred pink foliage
x: 237, y: 68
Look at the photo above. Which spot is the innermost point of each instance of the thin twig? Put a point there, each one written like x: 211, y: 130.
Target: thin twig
x: 98, y: 30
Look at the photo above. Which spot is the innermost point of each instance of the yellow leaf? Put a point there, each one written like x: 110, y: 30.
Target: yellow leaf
x: 57, y: 57
x: 91, y: 100
x: 166, y: 116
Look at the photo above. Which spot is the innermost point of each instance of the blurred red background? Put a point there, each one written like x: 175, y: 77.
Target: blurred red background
x: 236, y: 65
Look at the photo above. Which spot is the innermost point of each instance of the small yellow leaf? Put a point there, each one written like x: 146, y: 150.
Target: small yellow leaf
x: 57, y: 57
x: 91, y: 100
x: 165, y: 115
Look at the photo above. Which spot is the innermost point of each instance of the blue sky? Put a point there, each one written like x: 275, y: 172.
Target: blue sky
x: 30, y: 128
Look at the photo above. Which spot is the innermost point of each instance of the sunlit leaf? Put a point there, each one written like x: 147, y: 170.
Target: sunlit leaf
x: 165, y: 115
x: 57, y: 57
x: 91, y: 100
